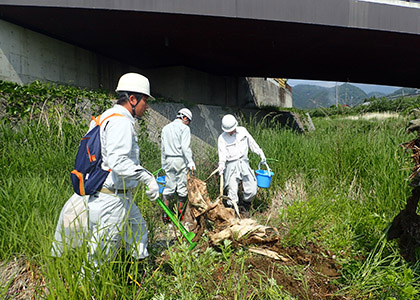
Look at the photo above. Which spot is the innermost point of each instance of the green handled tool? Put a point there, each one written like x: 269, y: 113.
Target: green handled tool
x: 188, y: 235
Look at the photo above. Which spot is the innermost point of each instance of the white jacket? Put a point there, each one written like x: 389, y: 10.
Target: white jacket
x: 175, y: 139
x: 236, y: 146
x: 120, y: 150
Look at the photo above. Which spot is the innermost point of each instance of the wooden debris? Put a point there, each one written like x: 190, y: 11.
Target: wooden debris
x: 226, y: 225
x: 245, y: 229
x: 269, y: 253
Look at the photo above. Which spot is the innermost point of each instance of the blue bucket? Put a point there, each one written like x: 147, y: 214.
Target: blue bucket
x: 264, y: 177
x: 161, y: 182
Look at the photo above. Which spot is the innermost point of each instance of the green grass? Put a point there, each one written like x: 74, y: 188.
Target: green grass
x: 353, y: 177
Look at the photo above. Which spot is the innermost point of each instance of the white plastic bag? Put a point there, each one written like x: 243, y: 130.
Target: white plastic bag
x: 72, y: 226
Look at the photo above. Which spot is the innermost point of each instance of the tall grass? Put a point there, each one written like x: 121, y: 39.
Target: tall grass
x: 35, y: 161
x: 354, y: 175
x: 356, y: 181
x: 357, y: 166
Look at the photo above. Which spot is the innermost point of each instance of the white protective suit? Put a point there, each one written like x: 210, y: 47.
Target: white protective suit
x: 233, y: 162
x: 113, y: 216
x: 176, y: 157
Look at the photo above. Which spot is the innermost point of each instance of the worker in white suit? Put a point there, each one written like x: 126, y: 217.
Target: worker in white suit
x: 176, y: 158
x: 112, y: 212
x: 233, y: 145
x: 113, y: 215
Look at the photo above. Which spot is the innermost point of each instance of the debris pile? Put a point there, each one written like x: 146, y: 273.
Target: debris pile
x: 222, y: 222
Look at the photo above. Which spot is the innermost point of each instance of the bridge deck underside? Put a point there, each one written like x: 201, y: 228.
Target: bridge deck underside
x: 231, y: 46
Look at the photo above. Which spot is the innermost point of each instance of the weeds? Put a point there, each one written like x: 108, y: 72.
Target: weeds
x: 339, y: 186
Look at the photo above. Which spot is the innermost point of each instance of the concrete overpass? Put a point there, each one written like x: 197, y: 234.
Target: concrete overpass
x: 361, y: 41
x: 341, y: 40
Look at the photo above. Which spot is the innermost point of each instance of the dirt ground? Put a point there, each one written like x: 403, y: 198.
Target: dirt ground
x: 378, y: 116
x: 318, y: 267
x: 21, y: 279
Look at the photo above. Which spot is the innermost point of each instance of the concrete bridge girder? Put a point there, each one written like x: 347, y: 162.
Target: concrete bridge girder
x: 340, y: 40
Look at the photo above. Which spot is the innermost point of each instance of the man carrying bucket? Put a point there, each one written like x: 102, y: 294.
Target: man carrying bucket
x: 233, y: 145
x: 176, y: 158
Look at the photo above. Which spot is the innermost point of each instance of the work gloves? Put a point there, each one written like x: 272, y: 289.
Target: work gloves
x: 263, y: 159
x: 152, y: 190
x: 221, y: 169
x: 191, y: 166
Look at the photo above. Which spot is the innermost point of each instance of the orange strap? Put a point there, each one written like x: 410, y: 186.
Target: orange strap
x: 113, y: 115
x: 81, y: 184
x: 98, y: 119
x: 98, y: 122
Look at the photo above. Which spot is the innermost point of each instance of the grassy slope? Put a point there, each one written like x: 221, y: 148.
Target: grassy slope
x: 353, y: 177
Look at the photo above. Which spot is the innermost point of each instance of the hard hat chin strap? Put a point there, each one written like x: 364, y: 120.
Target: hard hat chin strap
x: 133, y: 107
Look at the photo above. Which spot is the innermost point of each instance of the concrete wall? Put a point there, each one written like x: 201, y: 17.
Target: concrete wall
x: 267, y: 92
x: 26, y: 56
x: 184, y: 84
x: 206, y: 125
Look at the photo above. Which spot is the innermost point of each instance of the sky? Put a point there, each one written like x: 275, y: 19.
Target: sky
x: 367, y: 88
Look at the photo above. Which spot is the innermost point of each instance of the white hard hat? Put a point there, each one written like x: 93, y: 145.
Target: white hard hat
x: 133, y: 82
x: 229, y: 123
x: 184, y: 112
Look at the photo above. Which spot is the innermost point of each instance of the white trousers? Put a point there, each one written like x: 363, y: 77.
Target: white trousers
x: 113, y: 218
x: 235, y: 172
x: 176, y: 177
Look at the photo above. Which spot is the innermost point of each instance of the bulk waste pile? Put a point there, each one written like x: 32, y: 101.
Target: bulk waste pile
x: 226, y: 224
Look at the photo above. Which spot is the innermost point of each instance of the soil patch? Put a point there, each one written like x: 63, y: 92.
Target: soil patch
x: 378, y: 116
x: 21, y: 279
x: 309, y: 273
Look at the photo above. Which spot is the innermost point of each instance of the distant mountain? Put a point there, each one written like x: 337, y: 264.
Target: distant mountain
x: 369, y: 88
x: 311, y: 96
x: 404, y: 92
x: 376, y: 95
x: 351, y: 95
